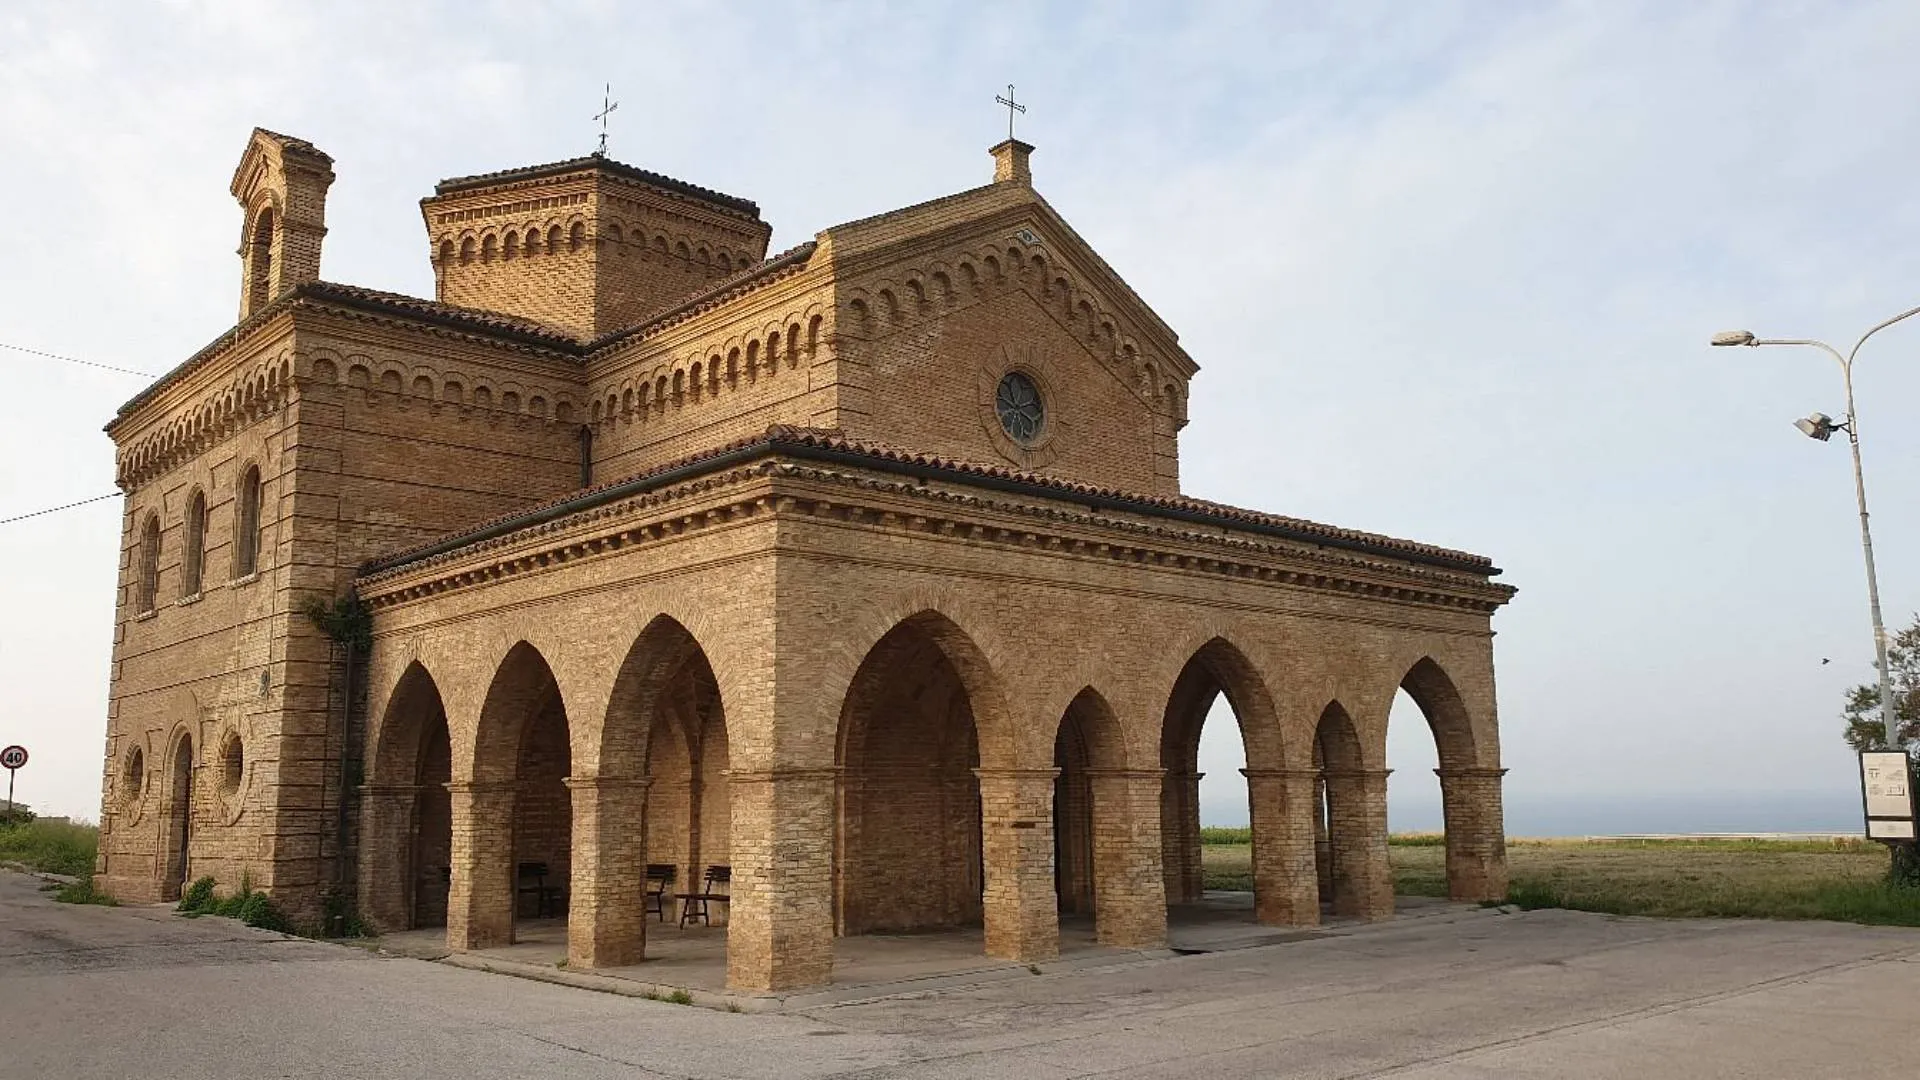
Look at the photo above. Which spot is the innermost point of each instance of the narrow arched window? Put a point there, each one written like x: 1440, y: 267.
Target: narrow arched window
x: 246, y: 523
x: 148, y: 583
x: 193, y: 557
x: 260, y: 261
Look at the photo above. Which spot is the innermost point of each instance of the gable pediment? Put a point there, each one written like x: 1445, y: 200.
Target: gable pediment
x: 954, y: 260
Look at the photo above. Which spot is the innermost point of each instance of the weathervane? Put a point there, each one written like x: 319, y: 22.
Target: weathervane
x: 1012, y: 107
x: 607, y: 105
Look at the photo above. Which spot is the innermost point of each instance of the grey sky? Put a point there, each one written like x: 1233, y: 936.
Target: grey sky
x: 1449, y: 271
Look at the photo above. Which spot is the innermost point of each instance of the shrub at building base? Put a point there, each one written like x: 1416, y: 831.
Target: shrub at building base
x: 251, y: 907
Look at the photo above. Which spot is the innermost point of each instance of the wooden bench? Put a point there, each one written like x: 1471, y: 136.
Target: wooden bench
x: 659, y: 879
x: 547, y: 898
x: 695, y: 905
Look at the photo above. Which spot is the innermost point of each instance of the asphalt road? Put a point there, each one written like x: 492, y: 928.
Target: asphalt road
x: 136, y: 992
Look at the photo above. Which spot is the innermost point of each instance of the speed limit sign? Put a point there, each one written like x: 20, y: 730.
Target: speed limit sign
x: 10, y: 759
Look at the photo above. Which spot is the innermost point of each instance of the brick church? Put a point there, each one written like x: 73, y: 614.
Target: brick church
x: 859, y: 572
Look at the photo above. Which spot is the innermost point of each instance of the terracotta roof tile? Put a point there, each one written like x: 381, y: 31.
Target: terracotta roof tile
x: 781, y: 436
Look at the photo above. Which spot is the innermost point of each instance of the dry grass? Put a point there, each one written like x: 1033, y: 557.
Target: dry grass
x: 1843, y: 880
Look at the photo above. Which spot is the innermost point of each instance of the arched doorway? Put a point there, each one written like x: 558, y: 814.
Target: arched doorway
x: 507, y: 881
x: 659, y: 804
x: 909, y: 854
x: 406, y: 855
x: 178, y: 820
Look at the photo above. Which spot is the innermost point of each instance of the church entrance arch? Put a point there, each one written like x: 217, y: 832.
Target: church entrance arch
x: 1092, y: 787
x: 908, y: 855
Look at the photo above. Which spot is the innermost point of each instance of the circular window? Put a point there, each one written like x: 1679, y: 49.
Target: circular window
x: 1022, y: 414
x: 232, y: 764
x: 133, y: 778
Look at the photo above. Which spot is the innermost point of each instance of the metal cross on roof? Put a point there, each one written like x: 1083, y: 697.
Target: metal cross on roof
x: 607, y: 105
x: 1012, y: 107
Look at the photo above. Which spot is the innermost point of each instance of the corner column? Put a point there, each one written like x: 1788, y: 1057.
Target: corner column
x: 480, y: 894
x: 1129, y: 891
x: 1286, y: 886
x: 606, y: 904
x: 387, y: 872
x: 1476, y: 833
x: 780, y: 920
x: 1357, y: 831
x: 1016, y: 839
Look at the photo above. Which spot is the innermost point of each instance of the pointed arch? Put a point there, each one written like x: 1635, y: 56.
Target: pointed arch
x: 406, y: 810
x: 1428, y: 684
x: 1216, y: 668
x: 908, y: 851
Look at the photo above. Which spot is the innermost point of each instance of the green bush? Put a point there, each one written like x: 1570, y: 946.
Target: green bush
x: 52, y: 847
x: 247, y: 904
x: 257, y: 909
x: 198, y: 899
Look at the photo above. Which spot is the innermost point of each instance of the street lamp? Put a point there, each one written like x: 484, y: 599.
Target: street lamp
x: 1820, y: 426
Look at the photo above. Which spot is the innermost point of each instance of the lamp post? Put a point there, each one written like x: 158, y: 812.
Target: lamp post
x: 1821, y: 427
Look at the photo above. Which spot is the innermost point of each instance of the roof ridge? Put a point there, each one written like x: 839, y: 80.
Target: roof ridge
x: 602, y: 163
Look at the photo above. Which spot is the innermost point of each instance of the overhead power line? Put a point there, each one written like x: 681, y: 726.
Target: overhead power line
x: 57, y: 509
x: 71, y: 360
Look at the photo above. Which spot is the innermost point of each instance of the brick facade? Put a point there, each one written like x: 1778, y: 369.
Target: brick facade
x: 733, y: 562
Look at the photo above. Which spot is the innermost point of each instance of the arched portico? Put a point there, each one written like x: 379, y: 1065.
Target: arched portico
x: 510, y: 805
x: 1469, y: 786
x: 1350, y: 821
x: 406, y: 813
x: 1107, y: 851
x: 1279, y: 798
x: 938, y: 824
x: 657, y: 793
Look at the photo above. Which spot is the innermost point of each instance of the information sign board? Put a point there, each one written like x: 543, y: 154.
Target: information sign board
x: 1886, y: 787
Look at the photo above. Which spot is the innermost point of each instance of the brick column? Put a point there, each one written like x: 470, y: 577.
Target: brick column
x: 1286, y: 889
x: 1357, y: 829
x: 1129, y: 891
x: 1476, y: 833
x: 1180, y: 837
x: 780, y: 923
x: 480, y: 896
x: 1016, y: 838
x: 387, y: 872
x: 607, y: 897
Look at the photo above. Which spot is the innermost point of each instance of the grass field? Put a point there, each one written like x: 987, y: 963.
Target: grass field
x: 1772, y: 879
x: 55, y: 847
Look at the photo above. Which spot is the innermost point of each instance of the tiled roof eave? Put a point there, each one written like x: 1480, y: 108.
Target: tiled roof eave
x: 808, y: 444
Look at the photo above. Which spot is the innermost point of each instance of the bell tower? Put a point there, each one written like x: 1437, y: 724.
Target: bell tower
x: 281, y: 185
